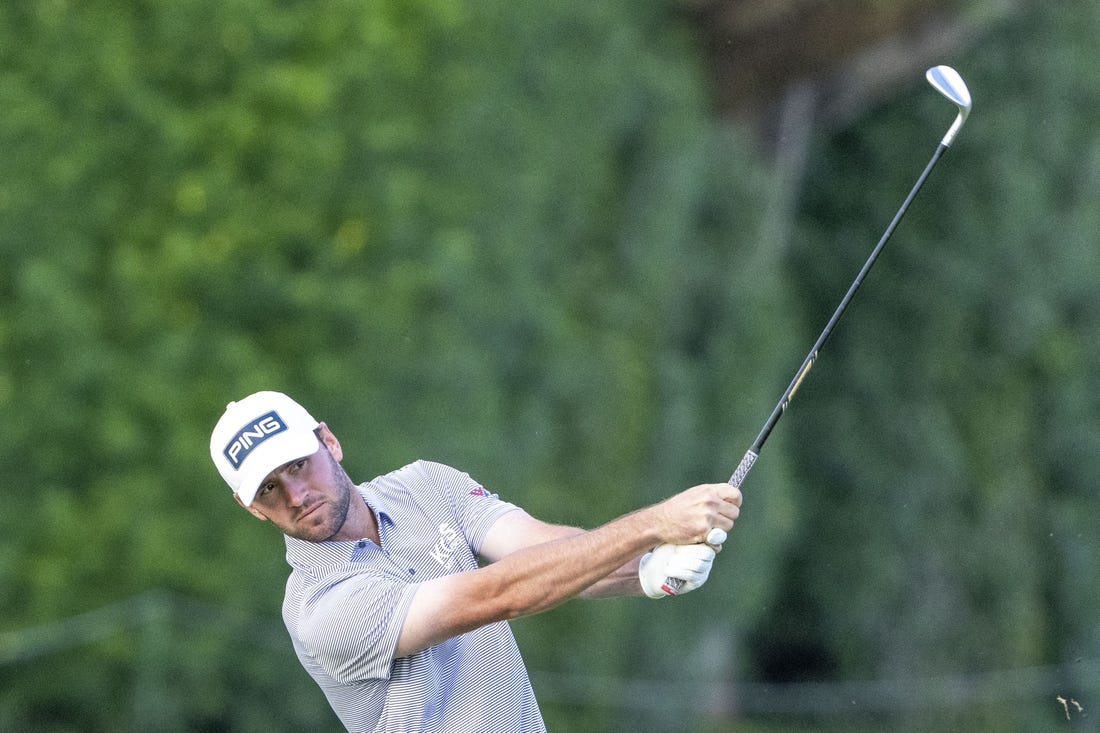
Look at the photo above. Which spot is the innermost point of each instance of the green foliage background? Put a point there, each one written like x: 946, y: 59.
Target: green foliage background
x: 516, y: 239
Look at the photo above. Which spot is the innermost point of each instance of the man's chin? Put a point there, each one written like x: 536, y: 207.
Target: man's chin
x: 313, y: 531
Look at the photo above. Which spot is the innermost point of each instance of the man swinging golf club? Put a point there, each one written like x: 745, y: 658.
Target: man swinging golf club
x: 387, y: 606
x: 401, y: 587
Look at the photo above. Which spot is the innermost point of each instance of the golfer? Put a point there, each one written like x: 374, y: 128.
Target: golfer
x: 401, y: 587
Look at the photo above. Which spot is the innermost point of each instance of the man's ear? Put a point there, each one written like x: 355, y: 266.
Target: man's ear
x: 251, y: 510
x: 329, y: 441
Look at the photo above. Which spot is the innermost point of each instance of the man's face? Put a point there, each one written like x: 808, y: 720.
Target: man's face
x: 308, y: 498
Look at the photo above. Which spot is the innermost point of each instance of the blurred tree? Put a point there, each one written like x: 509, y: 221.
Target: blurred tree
x: 487, y: 235
x: 954, y: 436
x: 514, y: 239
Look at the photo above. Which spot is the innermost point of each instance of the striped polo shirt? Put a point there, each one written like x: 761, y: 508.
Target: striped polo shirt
x: 346, y: 603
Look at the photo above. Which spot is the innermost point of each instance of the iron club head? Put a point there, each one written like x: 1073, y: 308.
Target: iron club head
x: 947, y: 82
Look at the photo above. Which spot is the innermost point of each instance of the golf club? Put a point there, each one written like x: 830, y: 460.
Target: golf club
x: 947, y: 82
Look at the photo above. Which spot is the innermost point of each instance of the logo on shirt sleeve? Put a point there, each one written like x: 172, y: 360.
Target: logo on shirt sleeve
x: 479, y: 491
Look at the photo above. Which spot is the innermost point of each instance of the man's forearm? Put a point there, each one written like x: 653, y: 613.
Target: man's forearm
x: 598, y: 563
x: 622, y: 581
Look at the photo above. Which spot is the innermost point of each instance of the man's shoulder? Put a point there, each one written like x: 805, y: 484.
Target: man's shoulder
x: 415, y: 478
x: 319, y: 591
x: 421, y: 468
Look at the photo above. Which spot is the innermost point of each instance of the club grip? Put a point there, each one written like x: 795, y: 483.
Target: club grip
x: 743, y: 469
x: 717, y: 536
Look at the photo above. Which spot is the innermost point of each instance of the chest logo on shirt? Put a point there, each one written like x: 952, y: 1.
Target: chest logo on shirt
x: 444, y: 549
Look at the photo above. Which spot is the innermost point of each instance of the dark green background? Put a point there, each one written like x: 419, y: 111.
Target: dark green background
x: 516, y: 238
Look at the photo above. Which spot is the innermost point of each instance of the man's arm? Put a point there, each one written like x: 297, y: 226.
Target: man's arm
x: 517, y: 529
x: 538, y: 577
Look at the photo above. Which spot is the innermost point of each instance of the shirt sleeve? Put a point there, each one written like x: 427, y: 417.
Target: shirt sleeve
x: 352, y: 624
x: 475, y: 508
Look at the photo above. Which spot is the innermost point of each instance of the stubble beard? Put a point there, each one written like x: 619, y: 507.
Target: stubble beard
x: 335, y: 509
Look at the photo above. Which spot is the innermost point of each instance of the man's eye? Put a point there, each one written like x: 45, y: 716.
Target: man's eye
x: 265, y: 489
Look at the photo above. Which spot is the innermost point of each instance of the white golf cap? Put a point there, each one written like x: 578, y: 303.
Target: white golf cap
x: 258, y: 434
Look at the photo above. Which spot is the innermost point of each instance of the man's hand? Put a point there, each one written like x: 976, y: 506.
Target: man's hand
x: 689, y: 563
x: 688, y: 517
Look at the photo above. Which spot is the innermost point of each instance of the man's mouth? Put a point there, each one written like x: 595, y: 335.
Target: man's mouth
x: 311, y: 510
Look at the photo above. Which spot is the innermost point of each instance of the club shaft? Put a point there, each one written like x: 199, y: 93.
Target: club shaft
x: 750, y: 457
x: 749, y: 460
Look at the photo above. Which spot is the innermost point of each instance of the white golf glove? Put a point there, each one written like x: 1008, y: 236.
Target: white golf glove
x: 689, y: 563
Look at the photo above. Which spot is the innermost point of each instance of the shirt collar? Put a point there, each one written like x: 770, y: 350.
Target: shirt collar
x: 374, y: 501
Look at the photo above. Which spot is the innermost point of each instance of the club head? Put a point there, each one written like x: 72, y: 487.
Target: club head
x: 947, y: 82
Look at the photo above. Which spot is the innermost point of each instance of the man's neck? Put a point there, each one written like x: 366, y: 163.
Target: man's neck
x: 361, y: 523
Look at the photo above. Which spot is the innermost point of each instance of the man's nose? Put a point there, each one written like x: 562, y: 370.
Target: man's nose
x: 296, y: 490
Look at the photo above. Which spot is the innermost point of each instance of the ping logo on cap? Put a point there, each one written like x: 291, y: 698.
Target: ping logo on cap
x: 250, y: 436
